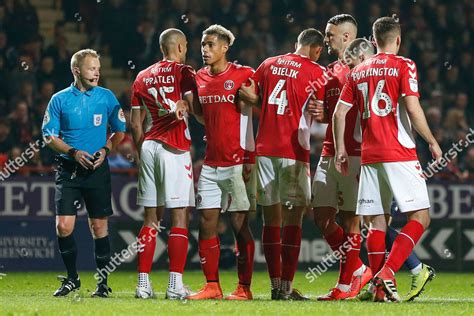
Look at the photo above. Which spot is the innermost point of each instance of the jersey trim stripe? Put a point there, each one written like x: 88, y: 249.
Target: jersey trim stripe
x: 345, y: 103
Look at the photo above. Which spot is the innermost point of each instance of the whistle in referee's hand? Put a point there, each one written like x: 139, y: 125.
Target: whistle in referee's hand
x: 96, y: 156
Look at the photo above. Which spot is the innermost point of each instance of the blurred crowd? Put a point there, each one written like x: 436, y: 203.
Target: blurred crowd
x: 437, y: 35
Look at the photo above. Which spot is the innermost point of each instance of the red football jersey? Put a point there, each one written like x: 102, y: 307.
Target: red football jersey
x: 375, y: 87
x: 229, y: 131
x: 158, y: 88
x: 286, y: 83
x: 337, y: 76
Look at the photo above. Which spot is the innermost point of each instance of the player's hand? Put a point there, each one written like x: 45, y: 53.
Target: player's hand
x: 100, y: 157
x: 84, y: 159
x: 247, y: 93
x: 436, y: 152
x: 342, y: 163
x: 182, y: 107
x: 316, y: 109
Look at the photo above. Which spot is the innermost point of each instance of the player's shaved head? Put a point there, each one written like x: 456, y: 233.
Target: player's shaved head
x: 358, y: 50
x: 346, y: 22
x: 311, y: 37
x: 386, y: 30
x: 170, y: 38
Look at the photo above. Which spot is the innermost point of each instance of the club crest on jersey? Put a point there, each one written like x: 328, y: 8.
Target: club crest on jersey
x: 46, y: 118
x: 97, y: 119
x: 413, y: 84
x: 229, y: 85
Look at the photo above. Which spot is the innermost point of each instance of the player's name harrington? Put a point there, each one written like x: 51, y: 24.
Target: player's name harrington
x: 375, y: 72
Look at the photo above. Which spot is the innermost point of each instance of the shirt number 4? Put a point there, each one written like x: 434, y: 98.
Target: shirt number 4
x: 278, y: 97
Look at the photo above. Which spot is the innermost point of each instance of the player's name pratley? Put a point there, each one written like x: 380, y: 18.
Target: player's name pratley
x: 159, y: 79
x: 375, y: 72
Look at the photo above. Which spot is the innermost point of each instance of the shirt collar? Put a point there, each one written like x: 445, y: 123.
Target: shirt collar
x: 76, y: 91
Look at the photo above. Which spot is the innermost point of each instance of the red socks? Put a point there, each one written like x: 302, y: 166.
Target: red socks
x: 210, y: 251
x: 376, y: 249
x: 245, y: 254
x: 335, y: 239
x: 290, y: 250
x: 272, y: 250
x: 177, y: 249
x: 350, y: 260
x: 146, y: 248
x: 404, y: 244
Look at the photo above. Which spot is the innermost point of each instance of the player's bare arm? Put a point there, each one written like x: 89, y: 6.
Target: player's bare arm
x: 418, y: 119
x: 136, y: 122
x: 195, y: 106
x: 247, y: 93
x: 338, y: 128
x: 317, y: 110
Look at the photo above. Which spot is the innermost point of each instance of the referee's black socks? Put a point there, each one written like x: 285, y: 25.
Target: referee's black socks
x: 102, y: 258
x: 68, y: 251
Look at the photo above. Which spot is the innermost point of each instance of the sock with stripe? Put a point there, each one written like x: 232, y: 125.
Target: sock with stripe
x: 146, y: 248
x: 376, y: 249
x: 177, y: 253
x: 404, y: 244
x: 272, y: 251
x: 209, y: 252
x: 413, y: 263
x: 351, y: 260
x: 245, y: 255
x: 68, y: 251
x: 102, y: 257
x: 290, y: 250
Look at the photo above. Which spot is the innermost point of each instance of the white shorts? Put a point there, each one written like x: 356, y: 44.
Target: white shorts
x: 330, y: 188
x: 381, y: 181
x: 222, y: 187
x: 283, y: 180
x: 165, y: 177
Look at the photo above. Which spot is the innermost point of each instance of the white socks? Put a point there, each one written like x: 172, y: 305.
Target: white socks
x: 343, y: 287
x: 143, y: 279
x: 286, y: 286
x: 276, y: 283
x: 175, y: 281
x: 360, y: 271
x: 417, y: 269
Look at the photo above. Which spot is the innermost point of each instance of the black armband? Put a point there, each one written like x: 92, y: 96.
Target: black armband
x: 72, y: 152
x: 107, y: 150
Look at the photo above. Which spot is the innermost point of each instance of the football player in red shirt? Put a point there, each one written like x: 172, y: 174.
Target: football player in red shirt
x: 227, y: 182
x: 165, y: 170
x: 333, y: 193
x: 285, y: 84
x: 357, y: 52
x: 384, y: 88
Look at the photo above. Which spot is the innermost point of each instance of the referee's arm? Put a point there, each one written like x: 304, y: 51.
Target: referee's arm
x: 50, y: 129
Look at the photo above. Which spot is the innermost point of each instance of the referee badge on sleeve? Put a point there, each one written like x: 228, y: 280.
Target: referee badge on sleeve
x: 46, y: 118
x: 97, y: 119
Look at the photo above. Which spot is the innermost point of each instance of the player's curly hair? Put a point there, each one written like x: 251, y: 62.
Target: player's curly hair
x: 221, y: 32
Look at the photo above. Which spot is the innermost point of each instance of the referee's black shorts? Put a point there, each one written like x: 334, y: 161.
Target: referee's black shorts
x: 75, y: 185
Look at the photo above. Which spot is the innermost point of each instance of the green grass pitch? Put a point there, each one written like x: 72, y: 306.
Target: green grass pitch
x: 30, y: 293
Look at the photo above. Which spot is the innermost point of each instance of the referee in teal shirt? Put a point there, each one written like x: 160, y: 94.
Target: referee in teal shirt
x: 75, y: 125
